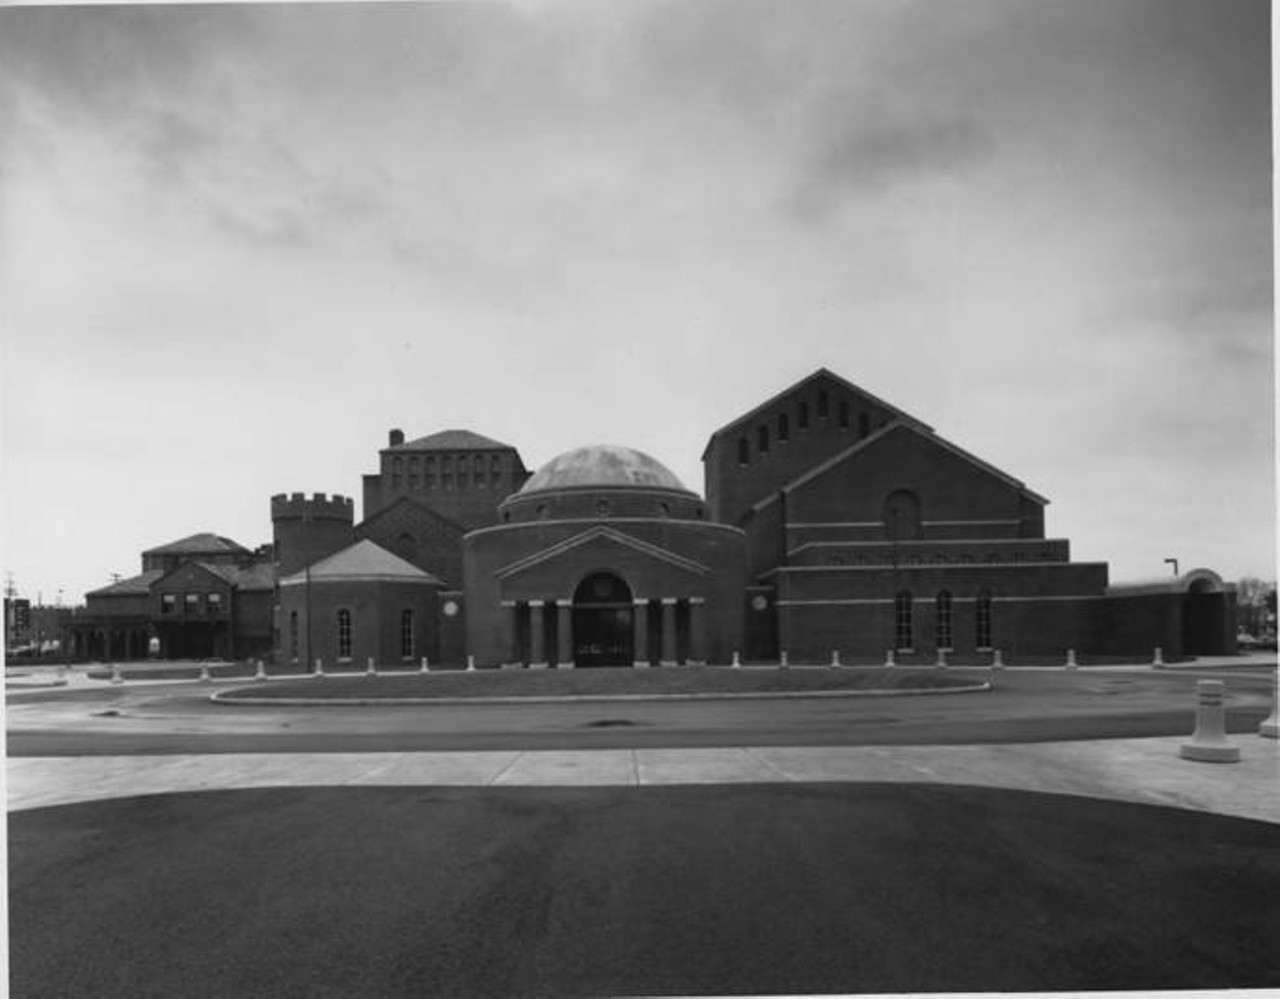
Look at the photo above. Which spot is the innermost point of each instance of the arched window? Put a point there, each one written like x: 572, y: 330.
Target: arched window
x: 902, y: 625
x: 844, y: 414
x: 802, y: 416
x: 344, y: 634
x: 406, y: 546
x: 942, y: 619
x: 293, y: 635
x: 902, y: 515
x: 982, y: 620
x: 762, y: 439
x: 784, y: 427
x: 406, y: 634
x: 824, y: 404
x: 744, y: 451
x: 864, y: 424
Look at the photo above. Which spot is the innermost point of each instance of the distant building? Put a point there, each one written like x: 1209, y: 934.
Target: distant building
x: 832, y: 522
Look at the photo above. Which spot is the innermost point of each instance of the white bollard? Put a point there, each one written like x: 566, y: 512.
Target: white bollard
x: 1209, y: 741
x: 835, y: 657
x: 471, y: 664
x: 997, y: 660
x: 991, y: 677
x: 426, y: 667
x: 261, y: 672
x: 1071, y: 659
x: 370, y: 669
x: 319, y: 668
x: 1271, y: 726
x: 942, y: 659
x: 783, y: 661
x: 115, y: 673
x: 204, y: 673
x: 1157, y: 660
x: 737, y: 662
x: 889, y: 661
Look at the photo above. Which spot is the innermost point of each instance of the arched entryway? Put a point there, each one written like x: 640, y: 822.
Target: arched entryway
x: 603, y: 622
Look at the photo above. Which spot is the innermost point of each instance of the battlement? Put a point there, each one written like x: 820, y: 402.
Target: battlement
x: 318, y: 506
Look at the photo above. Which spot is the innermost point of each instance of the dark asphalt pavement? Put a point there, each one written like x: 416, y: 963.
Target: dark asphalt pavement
x: 708, y: 889
x: 1025, y: 706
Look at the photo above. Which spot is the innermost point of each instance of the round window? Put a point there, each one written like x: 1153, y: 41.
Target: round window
x: 450, y: 608
x: 759, y: 602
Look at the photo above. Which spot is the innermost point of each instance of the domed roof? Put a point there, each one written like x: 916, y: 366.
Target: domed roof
x: 603, y: 465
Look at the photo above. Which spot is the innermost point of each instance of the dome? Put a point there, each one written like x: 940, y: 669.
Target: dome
x: 603, y: 465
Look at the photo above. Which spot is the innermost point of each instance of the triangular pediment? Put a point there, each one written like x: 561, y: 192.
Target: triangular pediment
x: 603, y: 538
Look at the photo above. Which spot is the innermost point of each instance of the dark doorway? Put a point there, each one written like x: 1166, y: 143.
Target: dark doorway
x: 1205, y: 624
x: 603, y: 624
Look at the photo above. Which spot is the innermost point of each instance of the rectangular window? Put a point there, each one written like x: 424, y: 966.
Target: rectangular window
x: 406, y: 634
x: 844, y: 415
x: 902, y: 629
x: 215, y: 602
x: 344, y: 634
x: 191, y: 603
x: 168, y: 603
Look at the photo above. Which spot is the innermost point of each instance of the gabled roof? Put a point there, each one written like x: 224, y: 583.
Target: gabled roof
x: 452, y: 440
x: 199, y: 544
x: 883, y: 432
x: 418, y: 506
x: 134, y: 586
x: 365, y: 561
x: 607, y: 534
x: 773, y: 401
x: 257, y: 576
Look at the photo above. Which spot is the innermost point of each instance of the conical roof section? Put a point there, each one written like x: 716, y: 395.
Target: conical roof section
x: 365, y: 561
x: 603, y: 465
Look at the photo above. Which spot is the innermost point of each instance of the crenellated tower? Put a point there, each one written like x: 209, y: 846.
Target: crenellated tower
x: 309, y: 528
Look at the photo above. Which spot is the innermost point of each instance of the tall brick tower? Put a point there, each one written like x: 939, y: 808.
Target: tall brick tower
x: 306, y: 529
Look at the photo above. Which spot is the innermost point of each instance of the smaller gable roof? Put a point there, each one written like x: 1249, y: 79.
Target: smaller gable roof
x: 609, y: 535
x: 365, y: 561
x: 773, y: 401
x: 138, y: 585
x: 416, y: 505
x: 257, y: 576
x: 452, y: 440
x: 199, y: 544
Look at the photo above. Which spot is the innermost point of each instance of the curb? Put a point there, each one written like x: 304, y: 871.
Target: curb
x: 755, y: 695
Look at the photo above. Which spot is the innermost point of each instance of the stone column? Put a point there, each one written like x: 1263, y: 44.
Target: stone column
x: 564, y: 633
x: 513, y: 630
x: 537, y: 652
x: 697, y: 639
x: 668, y: 631
x: 640, y: 634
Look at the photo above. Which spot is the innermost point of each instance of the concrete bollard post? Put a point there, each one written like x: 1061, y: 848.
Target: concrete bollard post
x: 471, y: 664
x: 997, y: 660
x: 737, y: 661
x: 1270, y: 727
x: 783, y: 661
x: 888, y: 659
x: 115, y: 673
x: 942, y: 659
x: 370, y: 669
x: 1157, y: 660
x: 319, y: 668
x: 1209, y: 741
x: 261, y: 672
x: 1071, y: 659
x: 991, y: 677
x: 425, y: 667
x: 204, y: 673
x: 835, y: 657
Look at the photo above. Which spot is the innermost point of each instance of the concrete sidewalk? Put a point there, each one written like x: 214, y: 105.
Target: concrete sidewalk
x: 1136, y: 770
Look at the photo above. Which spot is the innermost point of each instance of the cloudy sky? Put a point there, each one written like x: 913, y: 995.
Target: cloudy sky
x: 239, y: 243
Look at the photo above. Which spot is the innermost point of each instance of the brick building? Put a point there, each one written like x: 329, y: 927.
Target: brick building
x: 832, y: 522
